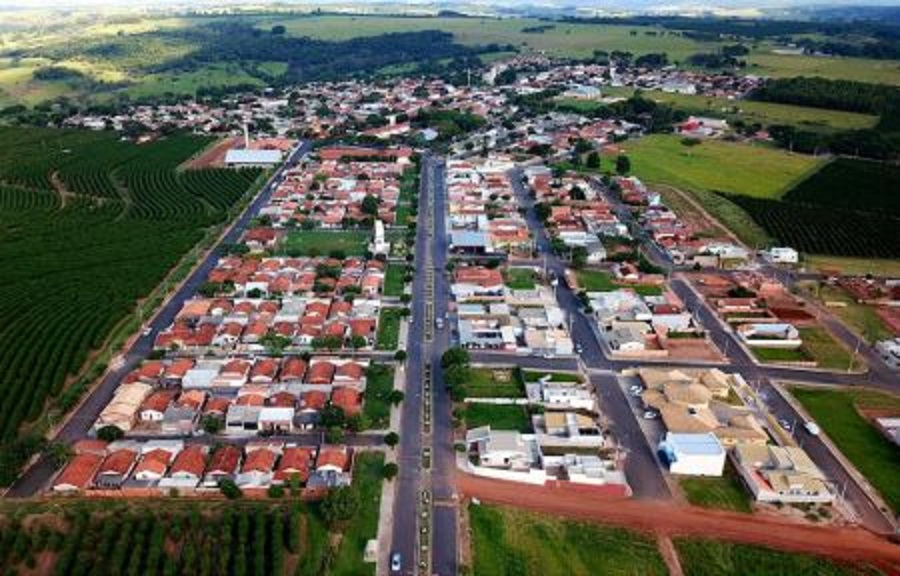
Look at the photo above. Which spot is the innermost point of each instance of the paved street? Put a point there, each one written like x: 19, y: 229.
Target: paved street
x: 79, y: 424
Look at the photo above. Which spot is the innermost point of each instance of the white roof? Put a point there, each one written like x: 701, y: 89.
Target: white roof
x: 705, y: 444
x: 244, y: 156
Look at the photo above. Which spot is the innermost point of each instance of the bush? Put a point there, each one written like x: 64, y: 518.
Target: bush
x: 229, y: 489
x: 390, y: 470
x: 340, y: 504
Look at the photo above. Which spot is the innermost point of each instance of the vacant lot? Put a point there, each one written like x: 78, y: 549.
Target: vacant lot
x: 326, y: 242
x: 725, y: 492
x: 595, y: 281
x: 498, y: 417
x: 510, y: 542
x: 367, y: 478
x: 837, y: 412
x: 861, y: 317
x: 493, y: 383
x: 756, y: 171
x: 377, y: 405
x: 825, y: 350
x: 519, y: 278
x: 703, y: 557
x: 393, y: 279
x: 853, y: 266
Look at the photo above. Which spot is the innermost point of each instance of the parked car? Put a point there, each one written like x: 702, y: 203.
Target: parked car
x: 439, y: 322
x: 636, y: 390
x: 812, y: 428
x: 579, y: 348
x: 651, y: 415
x: 395, y: 562
x: 785, y: 424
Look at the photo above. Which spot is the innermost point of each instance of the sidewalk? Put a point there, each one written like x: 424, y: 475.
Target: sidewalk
x: 389, y: 489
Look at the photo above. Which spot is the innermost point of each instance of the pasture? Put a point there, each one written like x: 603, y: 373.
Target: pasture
x: 507, y: 542
x: 766, y: 63
x: 78, y: 211
x: 716, y: 165
x: 839, y: 413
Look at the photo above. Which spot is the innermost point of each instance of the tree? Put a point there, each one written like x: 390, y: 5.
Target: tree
x: 392, y: 439
x: 370, y: 205
x: 211, y: 424
x: 229, y: 489
x: 395, y: 397
x: 332, y: 417
x: 456, y: 375
x: 623, y: 165
x: 275, y: 491
x: 579, y: 257
x: 593, y: 161
x: 455, y: 356
x: 59, y: 453
x: 334, y: 435
x: 357, y: 342
x: 390, y: 470
x: 400, y: 355
x: 340, y: 504
x: 110, y: 433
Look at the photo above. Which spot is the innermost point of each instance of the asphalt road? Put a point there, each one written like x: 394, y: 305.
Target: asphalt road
x: 79, y: 424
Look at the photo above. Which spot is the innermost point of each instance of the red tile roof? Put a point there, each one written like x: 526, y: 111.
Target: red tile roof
x: 191, y: 460
x: 225, y: 460
x: 79, y: 471
x: 119, y: 462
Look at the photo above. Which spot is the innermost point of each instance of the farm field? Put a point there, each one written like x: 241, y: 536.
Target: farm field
x: 859, y: 69
x: 498, y: 417
x: 725, y: 492
x: 716, y: 165
x: 838, y: 412
x: 326, y: 242
x: 874, y: 186
x: 507, y: 542
x: 76, y: 210
x: 705, y: 557
x: 491, y: 383
x: 853, y: 266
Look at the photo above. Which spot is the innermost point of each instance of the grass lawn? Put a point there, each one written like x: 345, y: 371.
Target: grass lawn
x: 393, y: 279
x: 751, y: 170
x: 853, y: 266
x: 872, y: 454
x: 324, y: 242
x: 595, y: 281
x: 510, y: 542
x: 825, y: 350
x: 377, y: 405
x: 534, y: 376
x: 780, y: 354
x: 725, y: 492
x: 705, y: 557
x: 388, y: 329
x: 519, y: 278
x: 860, y: 317
x: 491, y: 383
x: 859, y: 69
x: 648, y: 289
x: 348, y: 561
x: 498, y: 417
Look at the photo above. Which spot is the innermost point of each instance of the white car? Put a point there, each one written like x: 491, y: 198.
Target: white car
x: 147, y: 331
x: 651, y: 415
x: 395, y: 562
x: 812, y: 428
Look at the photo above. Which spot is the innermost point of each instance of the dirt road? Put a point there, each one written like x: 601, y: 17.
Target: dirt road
x: 670, y: 520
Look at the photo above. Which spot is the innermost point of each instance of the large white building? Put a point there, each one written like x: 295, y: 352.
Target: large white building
x: 693, y: 454
x: 245, y: 158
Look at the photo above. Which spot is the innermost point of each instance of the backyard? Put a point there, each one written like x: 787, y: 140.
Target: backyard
x: 839, y: 413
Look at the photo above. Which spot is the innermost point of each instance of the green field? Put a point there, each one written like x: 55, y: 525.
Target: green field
x: 510, y: 542
x: 534, y: 376
x: 76, y: 212
x: 704, y: 557
x: 498, y: 417
x: 326, y: 242
x: 853, y: 266
x: 861, y: 317
x: 377, y: 402
x: 388, y: 335
x: 595, y: 281
x: 725, y: 492
x: 393, y: 279
x: 519, y: 278
x: 757, y: 171
x: 859, y: 69
x: 347, y: 559
x: 775, y: 355
x: 490, y: 383
x: 836, y: 411
x: 825, y: 350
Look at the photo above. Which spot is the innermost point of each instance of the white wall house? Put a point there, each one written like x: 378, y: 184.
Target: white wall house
x: 693, y: 454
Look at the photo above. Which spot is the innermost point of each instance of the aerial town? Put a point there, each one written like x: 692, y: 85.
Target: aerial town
x: 537, y: 314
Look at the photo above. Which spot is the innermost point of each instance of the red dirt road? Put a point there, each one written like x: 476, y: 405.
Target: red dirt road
x: 213, y: 156
x: 669, y: 519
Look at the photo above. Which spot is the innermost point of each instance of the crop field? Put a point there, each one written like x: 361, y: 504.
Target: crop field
x: 848, y: 184
x: 716, y: 165
x: 838, y: 412
x: 819, y: 230
x: 705, y: 557
x: 508, y: 542
x: 88, y: 227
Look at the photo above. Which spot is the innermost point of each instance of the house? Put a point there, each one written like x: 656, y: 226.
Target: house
x: 155, y: 461
x: 770, y: 335
x: 153, y: 407
x: 296, y: 461
x: 506, y: 449
x: 782, y: 255
x: 781, y: 474
x: 123, y: 408
x: 222, y: 465
x: 348, y: 399
x: 332, y: 468
x: 78, y: 473
x: 187, y: 469
x: 564, y: 429
x: 242, y: 418
x: 115, y: 468
x: 276, y: 419
x: 249, y: 158
x: 693, y: 454
x: 259, y: 464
